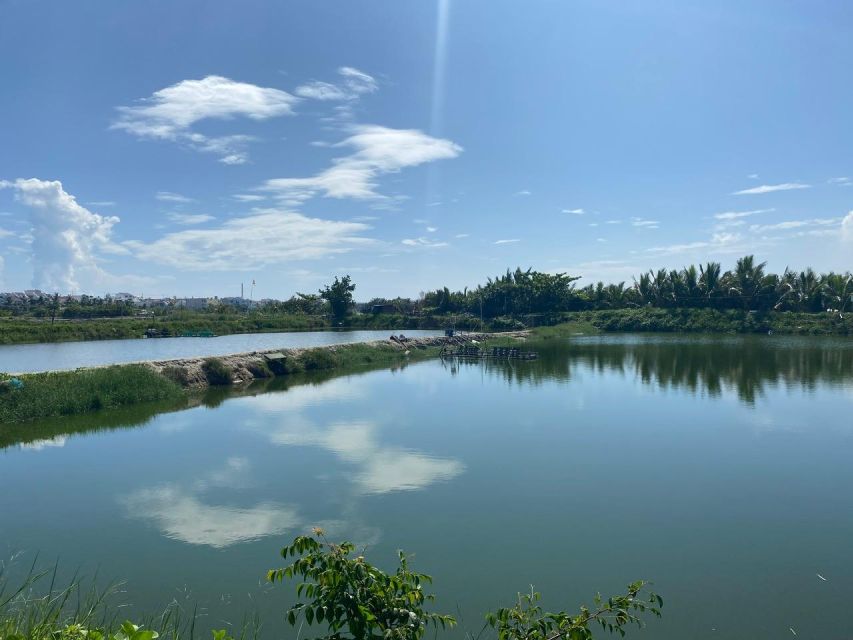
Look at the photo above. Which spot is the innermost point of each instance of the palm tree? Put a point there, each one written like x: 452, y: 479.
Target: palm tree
x: 748, y: 281
x: 710, y: 280
x: 838, y: 291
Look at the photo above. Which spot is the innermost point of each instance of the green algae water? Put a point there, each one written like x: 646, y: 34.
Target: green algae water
x: 718, y: 468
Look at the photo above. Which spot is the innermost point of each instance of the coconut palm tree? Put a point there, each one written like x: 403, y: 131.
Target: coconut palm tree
x: 710, y: 280
x: 748, y: 281
x: 838, y: 291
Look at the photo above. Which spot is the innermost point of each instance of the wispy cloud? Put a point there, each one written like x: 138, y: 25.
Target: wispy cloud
x: 508, y: 241
x: 847, y: 227
x: 188, y: 219
x: 577, y: 212
x: 424, y: 242
x: 267, y: 236
x: 842, y: 181
x: 642, y: 222
x: 462, y: 235
x: 248, y: 197
x: 352, y: 85
x: 170, y: 113
x: 795, y: 224
x: 734, y: 215
x: 523, y: 192
x: 168, y: 196
x: 101, y: 203
x: 377, y: 151
x: 770, y: 188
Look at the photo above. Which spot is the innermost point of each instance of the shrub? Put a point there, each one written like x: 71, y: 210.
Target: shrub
x: 178, y: 375
x: 259, y: 369
x: 217, y: 372
x: 315, y: 359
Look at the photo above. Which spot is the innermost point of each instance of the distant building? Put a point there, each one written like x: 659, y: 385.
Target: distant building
x: 194, y: 304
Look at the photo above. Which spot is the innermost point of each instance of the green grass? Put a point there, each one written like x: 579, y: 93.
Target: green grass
x: 697, y: 321
x: 68, y: 393
x: 63, y: 393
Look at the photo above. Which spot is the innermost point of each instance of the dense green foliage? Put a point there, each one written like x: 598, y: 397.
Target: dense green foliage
x: 511, y: 301
x: 349, y: 598
x: 339, y: 296
x: 527, y: 621
x: 352, y: 599
x: 748, y: 287
x: 63, y: 393
x: 349, y: 595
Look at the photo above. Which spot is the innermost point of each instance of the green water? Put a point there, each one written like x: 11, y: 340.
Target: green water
x: 720, y: 469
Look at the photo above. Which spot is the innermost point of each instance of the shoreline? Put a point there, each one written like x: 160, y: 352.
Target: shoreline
x: 58, y: 394
x: 21, y: 331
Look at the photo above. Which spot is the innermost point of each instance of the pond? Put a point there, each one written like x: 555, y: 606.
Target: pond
x: 718, y: 468
x: 54, y: 356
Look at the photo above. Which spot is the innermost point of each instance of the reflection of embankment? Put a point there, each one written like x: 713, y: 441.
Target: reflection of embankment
x: 746, y: 365
x: 54, y: 432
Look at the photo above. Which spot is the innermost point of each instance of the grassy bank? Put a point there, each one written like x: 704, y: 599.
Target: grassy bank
x: 697, y: 321
x: 23, y: 331
x: 68, y: 393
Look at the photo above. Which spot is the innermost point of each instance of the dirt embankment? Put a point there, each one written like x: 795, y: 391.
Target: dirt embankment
x: 245, y: 367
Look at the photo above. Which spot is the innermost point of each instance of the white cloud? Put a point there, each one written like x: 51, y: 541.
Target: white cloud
x: 842, y: 181
x: 508, y: 241
x: 847, y: 227
x: 248, y: 197
x: 56, y: 442
x: 378, y: 150
x: 189, y: 218
x: 770, y: 188
x: 613, y: 222
x: 67, y: 237
x: 101, y: 203
x: 168, y: 196
x: 182, y: 516
x: 431, y: 229
x: 577, y: 212
x: 5, y: 233
x: 462, y: 235
x: 170, y: 113
x: 794, y: 224
x: 424, y: 242
x: 734, y: 215
x: 353, y: 84
x: 267, y: 236
x: 523, y: 192
x: 642, y: 222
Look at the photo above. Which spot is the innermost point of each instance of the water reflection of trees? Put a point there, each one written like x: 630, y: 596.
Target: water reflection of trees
x: 748, y: 366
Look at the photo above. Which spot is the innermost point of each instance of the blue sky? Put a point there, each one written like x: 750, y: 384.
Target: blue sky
x: 181, y: 148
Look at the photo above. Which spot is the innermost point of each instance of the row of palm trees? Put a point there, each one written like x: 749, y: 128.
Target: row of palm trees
x: 748, y: 286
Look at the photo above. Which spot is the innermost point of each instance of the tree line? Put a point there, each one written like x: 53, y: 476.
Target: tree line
x: 748, y: 286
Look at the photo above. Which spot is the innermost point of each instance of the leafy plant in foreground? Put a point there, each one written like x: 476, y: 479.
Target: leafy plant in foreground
x: 527, y: 621
x: 353, y: 597
x: 358, y: 601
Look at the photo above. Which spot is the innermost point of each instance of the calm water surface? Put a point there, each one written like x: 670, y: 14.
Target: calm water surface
x: 718, y: 468
x: 24, y: 358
